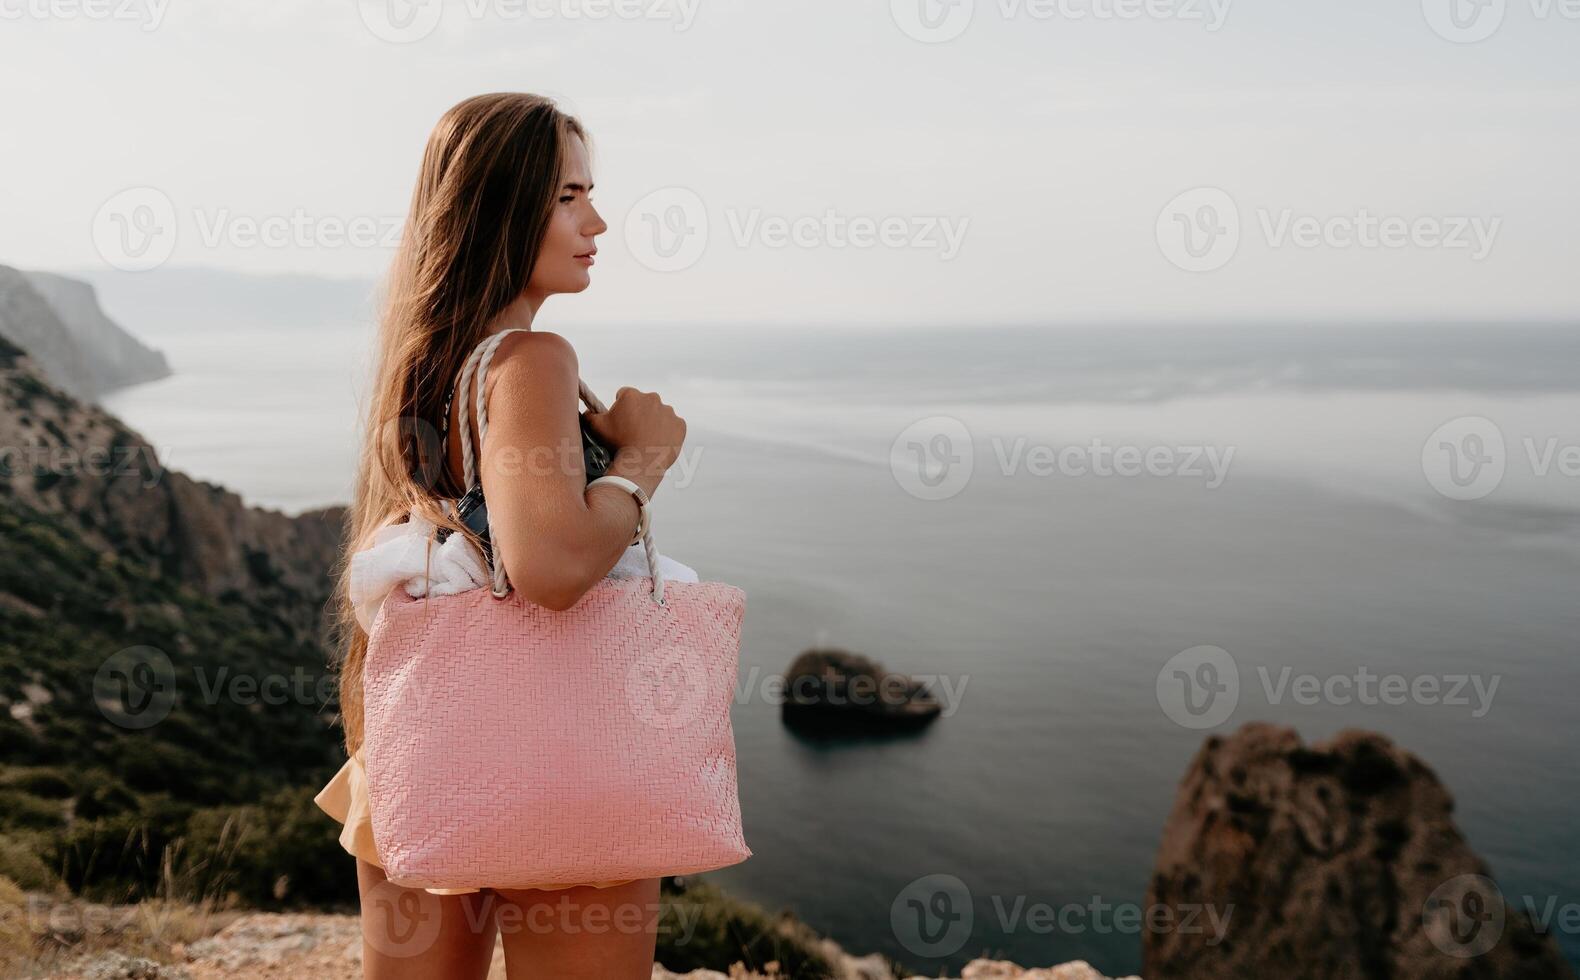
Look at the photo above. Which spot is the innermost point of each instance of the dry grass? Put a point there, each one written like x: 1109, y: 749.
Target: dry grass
x: 43, y: 935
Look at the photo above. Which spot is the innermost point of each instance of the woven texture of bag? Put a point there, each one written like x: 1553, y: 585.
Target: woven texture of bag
x: 508, y: 745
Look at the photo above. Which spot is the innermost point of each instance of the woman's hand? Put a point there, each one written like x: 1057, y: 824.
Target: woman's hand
x: 644, y: 433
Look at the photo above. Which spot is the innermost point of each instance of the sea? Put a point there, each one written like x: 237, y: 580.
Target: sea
x: 1048, y: 522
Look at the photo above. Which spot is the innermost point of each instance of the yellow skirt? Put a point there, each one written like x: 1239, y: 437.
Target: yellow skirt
x: 345, y: 798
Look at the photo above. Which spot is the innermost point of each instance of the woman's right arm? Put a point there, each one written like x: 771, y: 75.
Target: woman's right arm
x: 557, y: 538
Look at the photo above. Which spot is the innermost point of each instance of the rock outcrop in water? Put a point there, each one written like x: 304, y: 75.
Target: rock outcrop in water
x: 840, y: 691
x: 78, y: 349
x: 1337, y: 861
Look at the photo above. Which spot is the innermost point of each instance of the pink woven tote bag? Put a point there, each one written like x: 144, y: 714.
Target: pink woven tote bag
x: 509, y: 745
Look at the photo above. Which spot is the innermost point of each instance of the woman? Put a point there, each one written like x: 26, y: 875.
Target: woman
x: 501, y: 219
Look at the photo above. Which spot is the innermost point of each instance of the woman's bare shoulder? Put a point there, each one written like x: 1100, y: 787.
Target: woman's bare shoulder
x: 533, y: 367
x: 534, y: 343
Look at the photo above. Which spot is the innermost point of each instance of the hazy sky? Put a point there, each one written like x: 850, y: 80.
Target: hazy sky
x: 811, y: 160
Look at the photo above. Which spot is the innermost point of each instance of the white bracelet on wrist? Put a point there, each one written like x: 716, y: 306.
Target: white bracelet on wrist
x: 642, y: 518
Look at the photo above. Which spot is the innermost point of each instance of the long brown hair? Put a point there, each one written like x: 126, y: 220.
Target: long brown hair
x: 484, y: 195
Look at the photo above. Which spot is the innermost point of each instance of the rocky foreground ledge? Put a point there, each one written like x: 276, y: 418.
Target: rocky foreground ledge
x: 329, y: 947
x: 1340, y: 860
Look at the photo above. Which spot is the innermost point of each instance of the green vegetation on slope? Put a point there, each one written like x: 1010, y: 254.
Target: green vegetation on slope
x: 213, y: 803
x: 108, y: 757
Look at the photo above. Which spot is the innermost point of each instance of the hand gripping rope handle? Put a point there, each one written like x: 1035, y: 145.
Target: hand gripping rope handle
x: 477, y: 364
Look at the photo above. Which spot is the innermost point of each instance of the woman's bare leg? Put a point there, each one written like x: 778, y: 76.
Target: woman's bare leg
x: 412, y: 934
x: 581, y: 933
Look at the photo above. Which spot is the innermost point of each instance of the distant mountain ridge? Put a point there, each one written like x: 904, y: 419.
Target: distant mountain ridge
x: 171, y: 301
x: 60, y: 324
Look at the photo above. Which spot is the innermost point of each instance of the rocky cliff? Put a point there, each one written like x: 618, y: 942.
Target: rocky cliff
x: 78, y: 349
x: 1338, y: 861
x: 70, y: 459
x: 110, y: 357
x: 31, y: 324
x: 166, y: 699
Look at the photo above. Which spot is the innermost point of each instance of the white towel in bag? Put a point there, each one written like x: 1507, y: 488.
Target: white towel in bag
x: 398, y: 556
